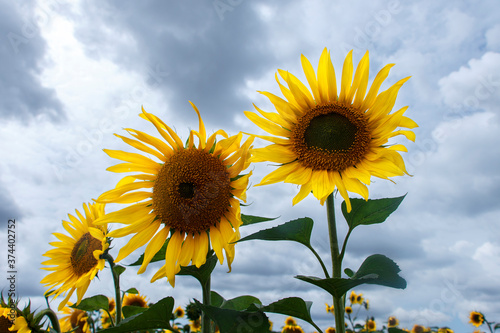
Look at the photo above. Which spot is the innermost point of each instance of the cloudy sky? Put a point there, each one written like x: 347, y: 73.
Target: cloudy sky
x: 72, y: 74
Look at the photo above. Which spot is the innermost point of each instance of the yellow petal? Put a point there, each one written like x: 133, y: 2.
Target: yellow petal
x: 153, y: 247
x: 216, y: 241
x: 345, y: 87
x: 310, y: 76
x: 172, y: 255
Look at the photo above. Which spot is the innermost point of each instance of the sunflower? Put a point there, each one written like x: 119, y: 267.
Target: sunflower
x: 189, y: 195
x: 105, y: 319
x: 352, y: 297
x: 195, y: 325
x: 329, y: 308
x: 476, y: 318
x: 348, y: 310
x: 370, y: 325
x: 75, y: 319
x: 75, y: 261
x: 328, y: 140
x: 419, y: 329
x: 135, y: 300
x: 445, y: 330
x: 6, y: 319
x: 179, y: 312
x: 330, y: 330
x: 359, y: 299
x: 392, y: 322
x: 20, y: 325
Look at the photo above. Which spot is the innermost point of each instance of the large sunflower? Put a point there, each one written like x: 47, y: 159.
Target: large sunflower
x: 75, y: 261
x: 331, y: 140
x: 187, y: 194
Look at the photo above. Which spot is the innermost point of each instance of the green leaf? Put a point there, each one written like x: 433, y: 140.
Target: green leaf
x: 376, y: 269
x: 395, y: 330
x: 156, y: 317
x: 291, y: 306
x: 93, y: 303
x: 240, y: 303
x: 132, y: 310
x: 132, y: 291
x: 160, y: 255
x: 348, y: 272
x: 119, y: 269
x: 233, y: 321
x: 201, y: 274
x: 216, y: 299
x: 296, y: 230
x: 371, y: 211
x: 250, y: 219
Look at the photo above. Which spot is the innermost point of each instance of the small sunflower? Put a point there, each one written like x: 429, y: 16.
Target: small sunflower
x: 76, y: 320
x: 359, y: 299
x: 476, y: 318
x: 348, y: 310
x: 135, y: 300
x: 352, y: 297
x: 418, y: 329
x: 331, y: 140
x: 75, y: 261
x: 290, y: 321
x: 370, y: 325
x: 330, y: 330
x: 189, y: 195
x: 105, y: 319
x: 179, y: 312
x: 392, y: 322
x: 195, y: 325
x: 329, y: 308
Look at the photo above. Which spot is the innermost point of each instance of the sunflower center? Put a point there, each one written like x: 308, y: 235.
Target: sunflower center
x: 82, y: 255
x: 331, y: 137
x: 5, y: 324
x: 192, y: 191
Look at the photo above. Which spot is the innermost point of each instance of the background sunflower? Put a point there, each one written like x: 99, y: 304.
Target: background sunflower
x: 75, y: 260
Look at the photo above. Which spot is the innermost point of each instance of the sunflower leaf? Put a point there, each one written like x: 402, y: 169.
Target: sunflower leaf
x: 370, y: 212
x: 132, y: 291
x: 376, y: 269
x: 250, y: 219
x: 395, y: 330
x: 160, y: 255
x: 132, y: 310
x: 292, y: 306
x: 93, y: 303
x: 119, y: 269
x: 237, y: 321
x: 216, y: 299
x: 156, y: 317
x: 296, y: 230
x: 201, y: 274
x: 240, y: 303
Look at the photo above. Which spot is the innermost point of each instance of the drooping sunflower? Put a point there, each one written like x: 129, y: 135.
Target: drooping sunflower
x: 476, y: 318
x: 76, y: 321
x: 330, y: 139
x: 183, y: 193
x: 370, y: 325
x: 75, y: 260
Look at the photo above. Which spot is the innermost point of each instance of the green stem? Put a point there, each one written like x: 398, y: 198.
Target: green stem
x: 116, y: 280
x: 205, y: 320
x: 52, y: 317
x: 320, y: 261
x: 338, y: 303
x: 341, y: 256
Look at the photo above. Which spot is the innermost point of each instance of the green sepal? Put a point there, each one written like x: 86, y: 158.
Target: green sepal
x: 160, y: 255
x: 251, y: 219
x: 370, y: 212
x: 93, y: 303
x: 237, y: 321
x: 376, y: 269
x: 296, y: 230
x: 201, y: 274
x: 156, y: 317
x: 132, y: 310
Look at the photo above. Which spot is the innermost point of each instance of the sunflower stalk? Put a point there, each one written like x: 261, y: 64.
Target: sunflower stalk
x: 205, y: 320
x: 338, y: 303
x: 116, y: 280
x: 52, y: 317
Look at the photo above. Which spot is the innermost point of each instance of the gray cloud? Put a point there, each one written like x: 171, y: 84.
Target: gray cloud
x: 21, y: 93
x: 207, y: 58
